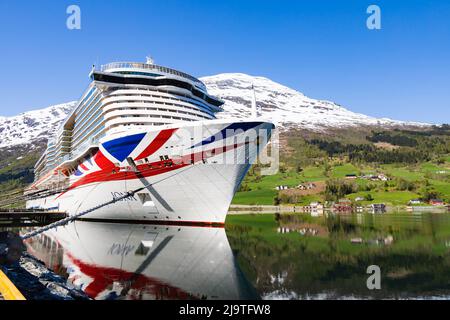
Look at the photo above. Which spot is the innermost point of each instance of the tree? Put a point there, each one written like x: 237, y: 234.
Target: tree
x: 276, y: 200
x: 404, y: 185
x: 430, y: 194
x: 326, y: 169
x: 336, y: 189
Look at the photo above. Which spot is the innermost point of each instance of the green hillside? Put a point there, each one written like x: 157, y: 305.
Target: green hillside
x: 417, y: 164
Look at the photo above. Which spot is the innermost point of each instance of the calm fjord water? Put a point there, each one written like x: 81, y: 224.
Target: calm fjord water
x: 255, y: 256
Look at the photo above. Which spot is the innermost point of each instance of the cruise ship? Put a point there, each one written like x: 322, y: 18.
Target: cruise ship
x: 140, y: 126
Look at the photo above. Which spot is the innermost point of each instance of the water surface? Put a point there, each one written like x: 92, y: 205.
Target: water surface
x: 301, y: 257
x: 255, y: 256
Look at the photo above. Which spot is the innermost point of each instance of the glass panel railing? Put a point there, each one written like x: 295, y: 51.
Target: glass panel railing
x: 137, y: 65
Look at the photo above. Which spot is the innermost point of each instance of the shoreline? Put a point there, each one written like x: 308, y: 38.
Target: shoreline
x: 272, y: 209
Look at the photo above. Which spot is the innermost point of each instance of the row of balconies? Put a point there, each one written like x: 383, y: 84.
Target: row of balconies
x: 154, y: 95
x: 157, y: 103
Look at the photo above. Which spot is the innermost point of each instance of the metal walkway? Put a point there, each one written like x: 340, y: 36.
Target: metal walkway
x: 17, y: 217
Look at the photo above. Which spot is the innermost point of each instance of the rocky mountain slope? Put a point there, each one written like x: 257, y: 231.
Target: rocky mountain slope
x: 286, y: 107
x: 33, y: 127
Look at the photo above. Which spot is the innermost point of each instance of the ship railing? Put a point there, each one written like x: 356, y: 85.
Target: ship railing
x: 138, y: 65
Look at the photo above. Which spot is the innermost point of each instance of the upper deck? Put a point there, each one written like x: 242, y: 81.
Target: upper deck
x: 123, y: 67
x: 149, y: 74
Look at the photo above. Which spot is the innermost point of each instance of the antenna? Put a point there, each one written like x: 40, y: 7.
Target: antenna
x: 254, y: 106
x: 92, y: 71
x: 149, y: 60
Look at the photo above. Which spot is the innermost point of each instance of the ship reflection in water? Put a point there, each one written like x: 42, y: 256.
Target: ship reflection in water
x: 124, y: 261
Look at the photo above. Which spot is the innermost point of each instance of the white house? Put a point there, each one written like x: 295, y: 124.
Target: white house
x: 316, y: 209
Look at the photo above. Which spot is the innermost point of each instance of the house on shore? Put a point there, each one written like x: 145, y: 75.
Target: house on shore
x: 307, y: 186
x: 382, y: 177
x: 414, y: 201
x: 436, y: 202
x: 314, y: 208
x: 377, y: 208
x: 342, y: 206
x: 376, y: 177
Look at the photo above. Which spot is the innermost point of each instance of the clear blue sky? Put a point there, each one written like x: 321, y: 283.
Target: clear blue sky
x: 321, y: 48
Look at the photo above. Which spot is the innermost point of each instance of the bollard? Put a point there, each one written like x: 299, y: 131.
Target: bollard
x: 11, y: 248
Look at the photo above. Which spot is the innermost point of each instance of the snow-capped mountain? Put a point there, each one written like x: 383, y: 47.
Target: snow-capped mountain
x: 286, y: 107
x: 33, y: 126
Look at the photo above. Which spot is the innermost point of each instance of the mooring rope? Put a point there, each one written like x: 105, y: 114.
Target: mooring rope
x: 78, y: 215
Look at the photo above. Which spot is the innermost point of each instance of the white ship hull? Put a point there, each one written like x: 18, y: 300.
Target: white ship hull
x: 199, y: 191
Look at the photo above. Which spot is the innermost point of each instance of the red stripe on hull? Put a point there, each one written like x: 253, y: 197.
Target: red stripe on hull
x: 148, y: 170
x: 154, y: 146
x: 112, y: 175
x: 102, y: 161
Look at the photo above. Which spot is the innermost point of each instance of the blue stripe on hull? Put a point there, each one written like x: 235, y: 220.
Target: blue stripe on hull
x: 244, y: 126
x: 121, y: 148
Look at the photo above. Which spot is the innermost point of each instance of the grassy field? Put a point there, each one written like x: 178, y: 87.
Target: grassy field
x: 261, y: 190
x: 390, y: 197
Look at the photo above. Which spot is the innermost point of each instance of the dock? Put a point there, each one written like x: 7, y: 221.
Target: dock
x: 29, y: 217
